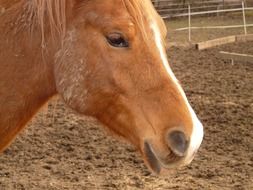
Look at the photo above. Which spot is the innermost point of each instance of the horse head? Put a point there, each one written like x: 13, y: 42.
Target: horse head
x: 112, y: 65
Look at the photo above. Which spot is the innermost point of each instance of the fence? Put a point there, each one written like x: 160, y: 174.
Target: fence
x: 171, y: 8
x: 190, y: 14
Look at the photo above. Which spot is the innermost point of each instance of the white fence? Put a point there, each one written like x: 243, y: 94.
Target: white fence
x: 173, y: 8
x: 190, y: 14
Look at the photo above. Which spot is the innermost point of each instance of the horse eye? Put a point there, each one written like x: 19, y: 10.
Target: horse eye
x: 117, y: 40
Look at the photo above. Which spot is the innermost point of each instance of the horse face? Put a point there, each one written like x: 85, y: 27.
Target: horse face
x: 113, y: 66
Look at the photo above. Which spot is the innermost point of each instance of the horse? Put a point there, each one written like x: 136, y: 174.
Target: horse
x: 105, y: 59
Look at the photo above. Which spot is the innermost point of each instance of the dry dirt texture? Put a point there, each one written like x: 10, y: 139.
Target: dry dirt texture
x: 64, y: 151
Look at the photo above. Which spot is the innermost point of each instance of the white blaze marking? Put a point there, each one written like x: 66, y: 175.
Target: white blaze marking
x: 197, y: 132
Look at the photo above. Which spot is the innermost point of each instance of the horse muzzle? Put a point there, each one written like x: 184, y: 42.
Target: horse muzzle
x: 177, y: 153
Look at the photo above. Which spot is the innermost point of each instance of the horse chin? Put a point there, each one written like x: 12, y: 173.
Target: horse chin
x: 161, y: 165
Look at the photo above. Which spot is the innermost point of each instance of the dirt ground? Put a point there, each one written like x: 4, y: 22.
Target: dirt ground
x: 60, y: 150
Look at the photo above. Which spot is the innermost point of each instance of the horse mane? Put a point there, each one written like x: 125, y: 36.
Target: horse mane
x: 52, y: 14
x: 140, y: 9
x: 55, y: 11
x: 135, y: 9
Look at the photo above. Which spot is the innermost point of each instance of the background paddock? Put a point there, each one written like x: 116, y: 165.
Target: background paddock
x: 75, y: 153
x: 59, y: 150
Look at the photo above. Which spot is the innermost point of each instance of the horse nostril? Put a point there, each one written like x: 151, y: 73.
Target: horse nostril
x: 178, y: 143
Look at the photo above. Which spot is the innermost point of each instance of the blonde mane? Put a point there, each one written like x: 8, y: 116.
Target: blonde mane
x: 144, y: 9
x: 52, y: 14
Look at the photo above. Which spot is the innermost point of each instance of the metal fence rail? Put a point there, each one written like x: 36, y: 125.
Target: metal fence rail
x: 173, y: 8
x: 244, y: 24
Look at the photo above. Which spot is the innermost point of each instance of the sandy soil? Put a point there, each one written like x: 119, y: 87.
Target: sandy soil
x: 60, y: 150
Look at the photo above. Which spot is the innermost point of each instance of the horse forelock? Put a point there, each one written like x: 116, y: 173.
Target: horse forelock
x: 142, y: 12
x: 53, y: 13
x: 50, y: 15
x: 136, y: 11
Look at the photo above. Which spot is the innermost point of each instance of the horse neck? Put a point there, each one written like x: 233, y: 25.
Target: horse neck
x: 26, y: 79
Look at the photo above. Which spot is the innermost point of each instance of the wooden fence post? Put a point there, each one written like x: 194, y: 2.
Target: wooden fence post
x: 244, y: 18
x: 189, y: 22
